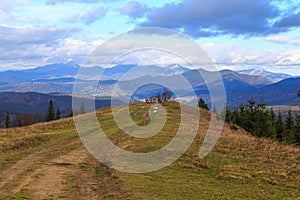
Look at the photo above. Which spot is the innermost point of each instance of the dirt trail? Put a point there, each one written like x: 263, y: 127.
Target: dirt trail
x: 51, y: 173
x: 12, y: 172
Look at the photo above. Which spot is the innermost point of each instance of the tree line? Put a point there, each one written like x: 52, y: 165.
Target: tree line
x: 259, y: 121
x: 262, y: 122
x: 21, y: 119
x: 51, y: 114
x: 25, y: 119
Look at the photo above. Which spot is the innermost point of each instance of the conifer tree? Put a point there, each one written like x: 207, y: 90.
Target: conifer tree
x: 225, y: 114
x: 202, y: 104
x: 272, y: 116
x: 50, y: 114
x: 7, y: 120
x: 250, y: 115
x: 297, y: 130
x: 271, y: 127
x: 289, y: 126
x: 242, y: 116
x: 251, y: 104
x: 279, y: 126
x: 258, y: 128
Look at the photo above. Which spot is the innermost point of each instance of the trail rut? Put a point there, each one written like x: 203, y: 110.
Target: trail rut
x: 51, y: 173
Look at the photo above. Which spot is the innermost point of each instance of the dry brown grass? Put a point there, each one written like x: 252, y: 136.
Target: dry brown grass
x: 240, y: 166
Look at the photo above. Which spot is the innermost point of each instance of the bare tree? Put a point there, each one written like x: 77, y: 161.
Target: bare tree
x: 165, y: 96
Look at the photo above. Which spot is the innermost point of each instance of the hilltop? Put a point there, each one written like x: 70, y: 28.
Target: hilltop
x: 48, y: 161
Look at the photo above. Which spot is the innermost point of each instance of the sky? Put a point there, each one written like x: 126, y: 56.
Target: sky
x: 235, y: 34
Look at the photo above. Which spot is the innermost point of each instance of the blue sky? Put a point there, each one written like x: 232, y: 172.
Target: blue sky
x: 236, y: 34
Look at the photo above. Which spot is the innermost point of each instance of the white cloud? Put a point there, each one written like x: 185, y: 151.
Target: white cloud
x: 72, y: 18
x: 236, y: 57
x: 93, y: 15
x: 282, y: 39
x: 32, y: 46
x: 134, y: 9
x: 14, y: 37
x: 7, y: 8
x: 88, y: 17
x: 150, y: 57
x: 67, y: 50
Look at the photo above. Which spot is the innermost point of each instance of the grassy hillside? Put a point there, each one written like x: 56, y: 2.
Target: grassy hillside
x: 48, y: 161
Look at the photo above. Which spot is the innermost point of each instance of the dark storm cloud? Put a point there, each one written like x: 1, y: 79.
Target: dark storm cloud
x: 292, y: 20
x: 220, y: 17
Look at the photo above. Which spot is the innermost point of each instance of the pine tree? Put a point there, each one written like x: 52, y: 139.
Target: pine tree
x: 279, y: 126
x: 261, y: 105
x: 234, y: 117
x: 57, y: 113
x: 71, y: 114
x: 259, y: 123
x: 298, y: 94
x: 289, y: 126
x: 272, y: 121
x: 225, y: 114
x: 297, y: 130
x: 269, y: 125
x: 7, y: 120
x: 262, y: 126
x: 251, y: 104
x: 202, y: 104
x: 250, y: 114
x: 242, y: 116
x: 50, y: 114
x: 272, y: 116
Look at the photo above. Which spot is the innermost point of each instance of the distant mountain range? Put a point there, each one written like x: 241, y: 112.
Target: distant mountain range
x: 275, y: 77
x: 66, y: 72
x: 59, y: 78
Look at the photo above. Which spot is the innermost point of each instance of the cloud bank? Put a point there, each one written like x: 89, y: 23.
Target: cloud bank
x: 206, y: 18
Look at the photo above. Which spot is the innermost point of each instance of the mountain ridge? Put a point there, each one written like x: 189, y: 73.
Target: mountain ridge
x: 275, y: 77
x: 57, y: 79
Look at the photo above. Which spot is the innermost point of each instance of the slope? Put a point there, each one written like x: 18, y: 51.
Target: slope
x: 280, y: 93
x: 48, y: 161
